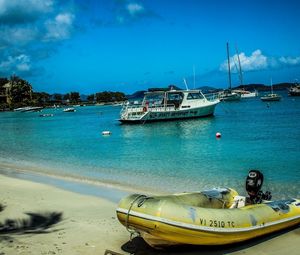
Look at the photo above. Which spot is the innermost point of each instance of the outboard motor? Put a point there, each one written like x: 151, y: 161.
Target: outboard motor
x: 254, y: 182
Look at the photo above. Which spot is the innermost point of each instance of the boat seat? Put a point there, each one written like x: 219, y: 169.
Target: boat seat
x: 238, y: 202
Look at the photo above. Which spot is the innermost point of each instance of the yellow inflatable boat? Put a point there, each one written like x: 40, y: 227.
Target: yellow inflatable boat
x: 213, y: 217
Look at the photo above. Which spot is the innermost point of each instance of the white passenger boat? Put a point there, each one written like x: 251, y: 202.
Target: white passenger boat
x: 169, y: 105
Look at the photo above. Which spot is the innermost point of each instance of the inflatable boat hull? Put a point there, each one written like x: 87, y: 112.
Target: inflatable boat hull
x: 201, y: 219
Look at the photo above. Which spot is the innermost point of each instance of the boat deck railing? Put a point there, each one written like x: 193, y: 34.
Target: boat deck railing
x: 212, y: 96
x: 147, y: 108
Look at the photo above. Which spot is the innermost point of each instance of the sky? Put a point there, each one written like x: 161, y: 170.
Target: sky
x: 91, y: 46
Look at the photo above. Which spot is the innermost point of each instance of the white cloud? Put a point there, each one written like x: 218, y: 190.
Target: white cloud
x: 134, y: 8
x: 258, y: 61
x: 17, y: 35
x: 23, y: 11
x: 131, y: 11
x: 21, y: 63
x: 290, y: 60
x: 30, y: 25
x: 24, y: 22
x: 60, y: 28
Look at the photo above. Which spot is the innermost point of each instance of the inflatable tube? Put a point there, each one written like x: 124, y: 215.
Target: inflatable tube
x: 204, y: 218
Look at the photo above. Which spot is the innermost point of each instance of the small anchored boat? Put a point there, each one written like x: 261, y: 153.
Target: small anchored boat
x: 295, y: 90
x: 47, y: 115
x: 69, y: 109
x: 246, y: 93
x: 211, y: 217
x: 272, y: 96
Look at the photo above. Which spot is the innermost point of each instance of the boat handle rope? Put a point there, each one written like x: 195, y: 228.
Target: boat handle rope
x: 142, y: 199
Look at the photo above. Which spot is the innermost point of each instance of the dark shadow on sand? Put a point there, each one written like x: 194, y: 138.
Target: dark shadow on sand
x: 2, y: 207
x: 139, y: 247
x: 35, y: 223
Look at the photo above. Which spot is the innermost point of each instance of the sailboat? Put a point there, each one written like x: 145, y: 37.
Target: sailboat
x: 244, y: 93
x: 272, y: 96
x: 228, y: 94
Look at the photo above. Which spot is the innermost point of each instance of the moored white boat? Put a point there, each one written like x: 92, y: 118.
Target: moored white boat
x: 229, y: 95
x: 272, y: 96
x: 28, y: 109
x: 169, y: 105
x: 69, y: 109
x: 295, y: 90
x: 246, y: 93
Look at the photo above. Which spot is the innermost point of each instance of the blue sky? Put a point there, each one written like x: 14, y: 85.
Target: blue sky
x: 129, y: 45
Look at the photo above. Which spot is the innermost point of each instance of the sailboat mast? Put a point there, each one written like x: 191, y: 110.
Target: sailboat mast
x: 194, y: 76
x: 229, y: 74
x: 271, y: 86
x: 240, y: 67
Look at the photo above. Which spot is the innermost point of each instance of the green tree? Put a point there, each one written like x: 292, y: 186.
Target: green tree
x: 20, y: 92
x: 57, y: 97
x: 119, y: 96
x: 74, y: 97
x: 91, y: 98
x: 103, y: 97
x: 3, y: 81
x: 40, y: 98
x: 4, y: 94
x: 108, y: 96
x: 66, y: 97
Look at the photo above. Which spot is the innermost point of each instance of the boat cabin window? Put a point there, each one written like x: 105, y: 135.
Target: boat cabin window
x: 195, y: 95
x: 154, y: 99
x: 175, y: 98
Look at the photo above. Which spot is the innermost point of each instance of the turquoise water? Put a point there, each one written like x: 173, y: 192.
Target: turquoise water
x: 164, y: 157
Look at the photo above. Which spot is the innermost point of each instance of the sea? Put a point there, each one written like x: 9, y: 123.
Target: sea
x: 163, y: 157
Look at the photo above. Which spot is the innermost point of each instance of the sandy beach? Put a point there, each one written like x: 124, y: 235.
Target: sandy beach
x: 82, y: 224
x: 88, y: 224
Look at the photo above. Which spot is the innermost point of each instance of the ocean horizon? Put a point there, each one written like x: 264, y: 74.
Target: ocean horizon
x: 166, y: 157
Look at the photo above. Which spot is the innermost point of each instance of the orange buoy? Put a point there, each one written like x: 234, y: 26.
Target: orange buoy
x: 218, y: 135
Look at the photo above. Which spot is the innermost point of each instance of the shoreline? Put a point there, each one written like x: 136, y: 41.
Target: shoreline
x: 112, y: 191
x: 90, y: 226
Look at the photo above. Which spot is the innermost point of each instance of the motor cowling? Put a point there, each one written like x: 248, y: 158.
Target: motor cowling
x: 254, y: 182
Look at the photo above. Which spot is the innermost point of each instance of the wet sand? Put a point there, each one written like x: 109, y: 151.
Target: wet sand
x: 88, y: 225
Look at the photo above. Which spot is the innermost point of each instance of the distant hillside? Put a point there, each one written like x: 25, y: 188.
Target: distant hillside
x: 136, y: 95
x: 252, y: 87
x: 262, y: 87
x: 140, y: 94
x: 208, y: 89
